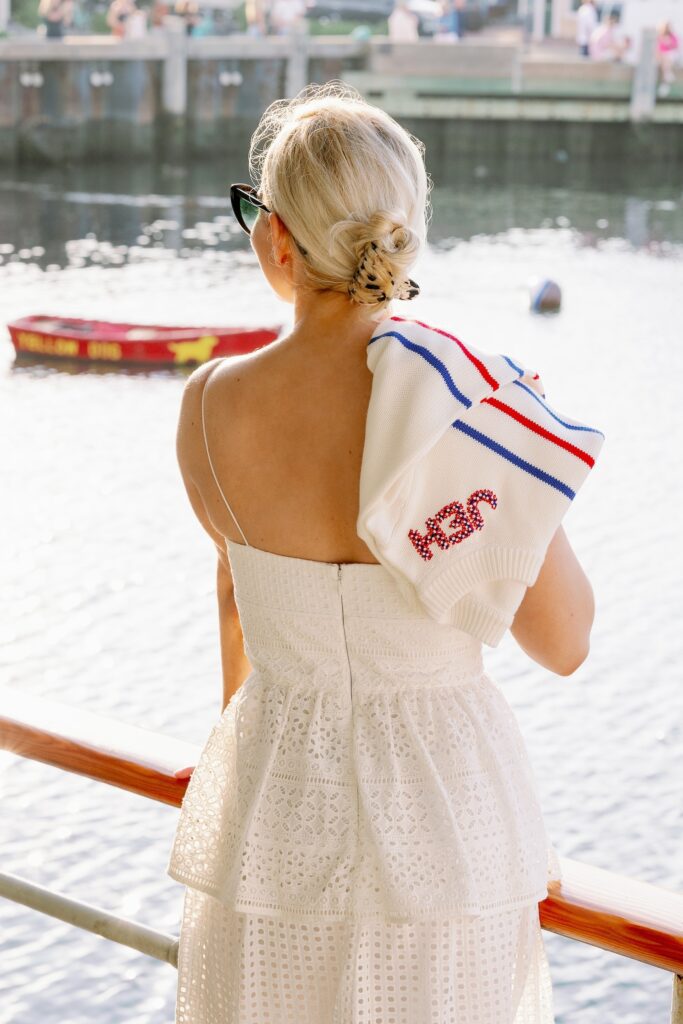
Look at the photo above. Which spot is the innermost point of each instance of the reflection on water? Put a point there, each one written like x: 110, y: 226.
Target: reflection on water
x: 107, y: 599
x: 107, y: 215
x: 84, y: 368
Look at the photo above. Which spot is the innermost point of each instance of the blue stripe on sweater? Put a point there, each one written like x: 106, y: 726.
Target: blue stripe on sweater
x: 569, y: 426
x: 432, y: 360
x: 540, y: 474
x: 517, y: 369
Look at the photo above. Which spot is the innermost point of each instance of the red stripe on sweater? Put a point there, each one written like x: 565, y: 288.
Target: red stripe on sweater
x: 472, y: 358
x: 541, y: 431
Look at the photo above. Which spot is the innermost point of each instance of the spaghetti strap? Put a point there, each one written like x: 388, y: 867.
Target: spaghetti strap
x: 208, y: 455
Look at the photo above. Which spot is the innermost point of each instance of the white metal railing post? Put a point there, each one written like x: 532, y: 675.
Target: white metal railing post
x: 92, y: 919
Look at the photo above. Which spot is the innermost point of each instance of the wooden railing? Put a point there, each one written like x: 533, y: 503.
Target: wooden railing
x: 615, y: 912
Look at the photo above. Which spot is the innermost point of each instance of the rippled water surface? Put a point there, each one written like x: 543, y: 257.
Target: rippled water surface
x: 107, y: 596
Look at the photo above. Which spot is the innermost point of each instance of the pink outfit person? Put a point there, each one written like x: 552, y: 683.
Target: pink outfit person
x: 667, y: 56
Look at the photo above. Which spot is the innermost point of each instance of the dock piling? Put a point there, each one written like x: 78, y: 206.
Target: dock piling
x: 644, y: 88
x: 297, y: 63
x: 174, y: 85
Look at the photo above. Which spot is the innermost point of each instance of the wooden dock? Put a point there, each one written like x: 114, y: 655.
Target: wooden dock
x: 510, y: 82
x: 98, y: 97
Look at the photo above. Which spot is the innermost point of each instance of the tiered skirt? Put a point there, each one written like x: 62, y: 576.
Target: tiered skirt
x: 374, y: 863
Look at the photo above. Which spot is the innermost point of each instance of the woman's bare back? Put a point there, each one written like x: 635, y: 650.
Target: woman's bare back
x: 286, y: 429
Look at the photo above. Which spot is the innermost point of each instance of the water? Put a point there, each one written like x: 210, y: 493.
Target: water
x: 107, y: 600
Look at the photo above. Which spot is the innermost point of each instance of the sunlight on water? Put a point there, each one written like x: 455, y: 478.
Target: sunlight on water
x: 107, y: 600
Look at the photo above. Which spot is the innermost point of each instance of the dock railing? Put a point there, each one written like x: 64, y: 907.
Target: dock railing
x: 612, y: 911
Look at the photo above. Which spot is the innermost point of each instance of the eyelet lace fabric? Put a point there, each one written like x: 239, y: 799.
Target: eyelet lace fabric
x: 245, y: 969
x: 366, y: 790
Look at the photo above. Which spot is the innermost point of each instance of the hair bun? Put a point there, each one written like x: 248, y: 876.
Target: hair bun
x: 400, y: 238
x: 342, y: 174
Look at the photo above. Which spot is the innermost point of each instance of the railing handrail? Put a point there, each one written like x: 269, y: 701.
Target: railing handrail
x: 602, y: 908
x: 92, y: 919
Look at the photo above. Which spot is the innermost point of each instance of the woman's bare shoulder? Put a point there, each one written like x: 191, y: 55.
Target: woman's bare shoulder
x: 219, y: 387
x: 222, y: 369
x: 217, y: 376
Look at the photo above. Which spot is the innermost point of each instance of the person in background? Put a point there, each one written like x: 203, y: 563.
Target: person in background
x: 450, y: 22
x: 160, y: 8
x: 403, y: 24
x: 286, y: 16
x: 667, y: 55
x: 118, y: 14
x: 606, y: 42
x: 188, y: 10
x: 56, y: 15
x: 206, y: 26
x: 255, y: 18
x: 136, y: 25
x: 586, y: 23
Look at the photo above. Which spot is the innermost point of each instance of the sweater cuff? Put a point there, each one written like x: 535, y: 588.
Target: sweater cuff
x: 480, y: 621
x: 447, y: 597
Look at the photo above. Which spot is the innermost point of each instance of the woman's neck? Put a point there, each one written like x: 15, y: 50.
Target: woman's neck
x: 321, y: 319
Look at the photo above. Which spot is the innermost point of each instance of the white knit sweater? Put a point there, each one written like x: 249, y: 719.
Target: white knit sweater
x: 466, y: 474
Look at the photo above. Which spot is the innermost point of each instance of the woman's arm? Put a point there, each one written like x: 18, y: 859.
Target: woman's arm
x: 191, y: 454
x: 554, y: 620
x: 234, y: 662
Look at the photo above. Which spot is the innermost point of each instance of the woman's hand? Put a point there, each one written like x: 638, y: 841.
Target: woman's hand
x: 183, y: 773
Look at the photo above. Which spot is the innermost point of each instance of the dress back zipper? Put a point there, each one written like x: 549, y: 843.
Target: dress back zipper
x: 348, y: 662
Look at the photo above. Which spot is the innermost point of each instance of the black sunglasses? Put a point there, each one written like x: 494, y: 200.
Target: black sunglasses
x: 246, y: 205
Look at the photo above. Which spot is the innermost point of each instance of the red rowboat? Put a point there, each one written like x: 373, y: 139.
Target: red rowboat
x: 102, y: 341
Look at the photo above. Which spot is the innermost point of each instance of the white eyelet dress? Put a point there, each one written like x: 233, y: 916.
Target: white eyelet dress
x: 361, y: 840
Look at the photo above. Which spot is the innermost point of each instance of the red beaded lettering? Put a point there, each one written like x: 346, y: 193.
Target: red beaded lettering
x: 459, y: 523
x: 434, y: 535
x: 462, y: 521
x: 473, y: 512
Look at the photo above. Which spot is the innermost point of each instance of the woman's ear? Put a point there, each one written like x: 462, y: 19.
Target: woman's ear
x: 280, y: 238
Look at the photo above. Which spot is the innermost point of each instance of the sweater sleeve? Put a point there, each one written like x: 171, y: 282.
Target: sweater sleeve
x: 484, y: 504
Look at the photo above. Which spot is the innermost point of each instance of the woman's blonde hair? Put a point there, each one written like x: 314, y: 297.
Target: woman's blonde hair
x: 351, y: 187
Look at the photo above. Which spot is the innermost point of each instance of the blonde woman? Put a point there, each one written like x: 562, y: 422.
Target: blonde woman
x: 361, y: 839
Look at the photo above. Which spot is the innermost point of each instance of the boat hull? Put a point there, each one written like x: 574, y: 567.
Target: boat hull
x: 94, y: 341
